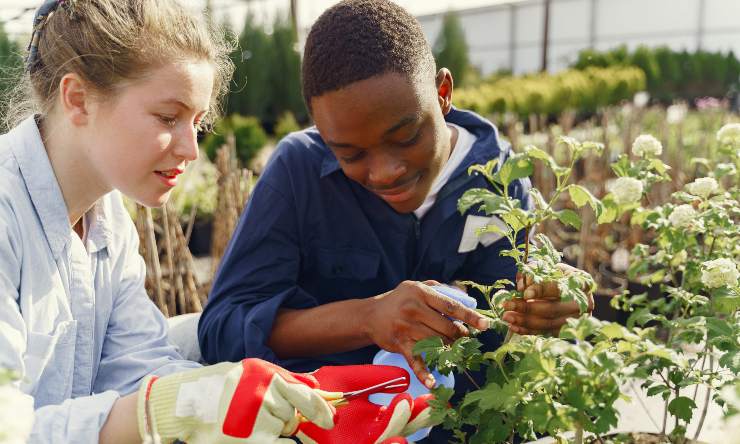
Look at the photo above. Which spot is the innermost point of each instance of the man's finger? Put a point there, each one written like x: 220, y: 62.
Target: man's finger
x: 455, y: 310
x: 417, y: 365
x: 443, y: 326
x: 543, y: 308
x: 544, y: 290
x: 537, y: 324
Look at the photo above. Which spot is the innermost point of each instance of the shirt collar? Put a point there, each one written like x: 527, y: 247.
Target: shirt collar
x: 329, y: 163
x: 46, y: 195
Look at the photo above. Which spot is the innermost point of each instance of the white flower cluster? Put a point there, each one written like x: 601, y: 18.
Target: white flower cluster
x: 16, y: 415
x: 682, y: 216
x: 702, y: 187
x: 719, y: 273
x: 646, y: 145
x: 627, y: 190
x: 729, y: 134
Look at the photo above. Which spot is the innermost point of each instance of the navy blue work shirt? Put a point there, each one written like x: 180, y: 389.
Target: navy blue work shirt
x: 310, y: 236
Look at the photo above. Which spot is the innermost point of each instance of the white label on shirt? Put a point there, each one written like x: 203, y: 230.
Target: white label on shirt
x: 471, y: 238
x: 200, y: 398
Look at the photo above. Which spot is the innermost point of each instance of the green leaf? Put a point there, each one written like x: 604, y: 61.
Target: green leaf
x: 682, y: 408
x: 516, y: 167
x: 613, y: 331
x: 569, y: 217
x: 486, y: 170
x: 610, y: 212
x: 581, y: 196
x: 659, y: 166
x: 489, y: 201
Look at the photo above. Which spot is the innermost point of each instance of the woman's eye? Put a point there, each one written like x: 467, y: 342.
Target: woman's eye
x: 169, y: 121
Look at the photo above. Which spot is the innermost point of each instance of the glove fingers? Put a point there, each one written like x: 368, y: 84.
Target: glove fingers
x: 421, y: 415
x: 354, y: 377
x: 306, y: 400
x: 396, y: 416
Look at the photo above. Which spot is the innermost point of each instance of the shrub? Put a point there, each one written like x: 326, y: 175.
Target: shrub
x: 249, y: 137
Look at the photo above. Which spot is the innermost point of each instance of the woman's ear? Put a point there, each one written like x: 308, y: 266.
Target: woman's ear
x: 75, y: 99
x: 444, y: 84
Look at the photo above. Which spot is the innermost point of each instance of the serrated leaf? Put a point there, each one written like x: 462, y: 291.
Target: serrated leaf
x: 489, y: 201
x: 581, y: 196
x: 516, y: 167
x: 569, y: 217
x: 682, y: 408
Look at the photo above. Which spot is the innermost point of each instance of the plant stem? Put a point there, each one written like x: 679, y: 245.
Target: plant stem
x: 578, y: 439
x: 706, y: 400
x: 472, y: 380
x: 526, y: 244
x: 665, y: 418
x: 509, y: 334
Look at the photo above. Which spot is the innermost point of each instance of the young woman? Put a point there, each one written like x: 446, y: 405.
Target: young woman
x: 118, y: 90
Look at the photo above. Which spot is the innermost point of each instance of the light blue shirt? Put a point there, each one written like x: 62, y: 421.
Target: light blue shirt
x: 75, y: 319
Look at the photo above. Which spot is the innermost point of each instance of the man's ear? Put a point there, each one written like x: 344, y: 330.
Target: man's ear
x: 444, y: 84
x: 75, y: 99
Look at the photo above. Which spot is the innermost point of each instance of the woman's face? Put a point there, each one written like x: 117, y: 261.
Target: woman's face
x: 142, y: 139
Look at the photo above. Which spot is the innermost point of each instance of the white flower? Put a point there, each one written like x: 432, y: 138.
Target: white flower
x: 719, y: 273
x: 682, y: 216
x: 647, y: 145
x: 676, y: 113
x: 627, y: 190
x: 16, y: 415
x: 729, y: 134
x: 641, y: 99
x: 702, y: 187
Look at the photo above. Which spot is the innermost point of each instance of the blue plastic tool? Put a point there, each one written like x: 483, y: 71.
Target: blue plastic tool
x: 416, y: 387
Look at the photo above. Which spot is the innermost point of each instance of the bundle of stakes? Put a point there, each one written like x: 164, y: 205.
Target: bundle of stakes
x: 170, y: 269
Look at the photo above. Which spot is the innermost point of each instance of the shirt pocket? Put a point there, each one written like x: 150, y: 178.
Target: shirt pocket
x: 49, y: 362
x: 347, y: 263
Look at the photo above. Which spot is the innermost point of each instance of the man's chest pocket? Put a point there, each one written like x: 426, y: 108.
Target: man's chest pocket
x: 347, y: 264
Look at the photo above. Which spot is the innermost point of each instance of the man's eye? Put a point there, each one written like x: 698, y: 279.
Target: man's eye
x: 411, y: 141
x: 354, y: 158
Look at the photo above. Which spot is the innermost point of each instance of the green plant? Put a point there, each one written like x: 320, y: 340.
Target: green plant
x: 285, y: 125
x: 249, y: 137
x: 694, y: 259
x: 552, y: 385
x: 451, y: 49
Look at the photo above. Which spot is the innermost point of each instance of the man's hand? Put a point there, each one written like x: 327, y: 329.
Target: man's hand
x: 541, y: 310
x: 413, y: 311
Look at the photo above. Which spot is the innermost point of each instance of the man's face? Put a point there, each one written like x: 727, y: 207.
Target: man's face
x: 389, y: 134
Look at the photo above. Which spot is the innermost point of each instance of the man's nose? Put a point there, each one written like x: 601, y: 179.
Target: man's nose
x: 385, y: 171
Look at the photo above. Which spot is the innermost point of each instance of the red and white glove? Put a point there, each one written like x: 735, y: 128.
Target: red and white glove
x: 252, y: 401
x: 360, y: 421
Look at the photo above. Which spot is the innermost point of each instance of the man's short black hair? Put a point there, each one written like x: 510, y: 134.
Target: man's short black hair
x: 358, y: 39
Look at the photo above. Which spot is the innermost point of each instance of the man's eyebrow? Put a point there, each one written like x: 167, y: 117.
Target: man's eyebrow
x: 339, y: 144
x: 406, y: 120
x: 412, y: 118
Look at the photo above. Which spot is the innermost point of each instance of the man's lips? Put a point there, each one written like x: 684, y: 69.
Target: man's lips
x: 398, y: 193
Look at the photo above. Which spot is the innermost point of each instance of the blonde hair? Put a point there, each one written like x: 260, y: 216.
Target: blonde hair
x: 111, y: 42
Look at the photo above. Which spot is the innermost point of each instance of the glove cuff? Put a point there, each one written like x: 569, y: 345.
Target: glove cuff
x: 143, y: 415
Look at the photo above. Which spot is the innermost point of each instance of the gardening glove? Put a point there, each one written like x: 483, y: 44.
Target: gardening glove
x: 360, y: 421
x: 246, y: 402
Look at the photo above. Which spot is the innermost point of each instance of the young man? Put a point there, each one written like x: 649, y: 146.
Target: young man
x: 351, y: 217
